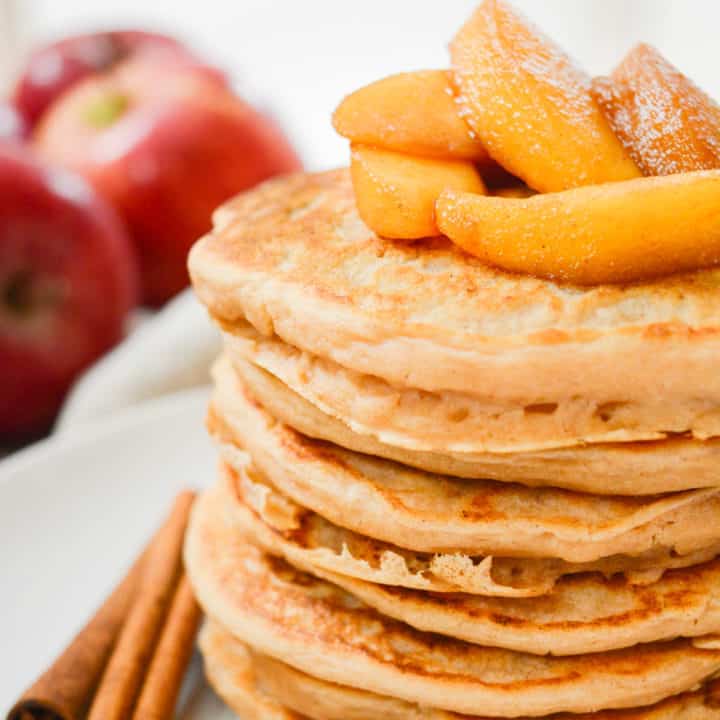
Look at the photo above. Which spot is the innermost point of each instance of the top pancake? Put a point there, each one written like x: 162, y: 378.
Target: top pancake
x: 293, y: 258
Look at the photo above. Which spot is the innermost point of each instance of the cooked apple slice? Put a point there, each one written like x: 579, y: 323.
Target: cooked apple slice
x: 667, y: 123
x: 616, y: 232
x: 530, y: 106
x: 396, y: 193
x: 414, y: 113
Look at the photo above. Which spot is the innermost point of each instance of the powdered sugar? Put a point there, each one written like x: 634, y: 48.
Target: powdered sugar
x: 531, y: 105
x: 667, y: 123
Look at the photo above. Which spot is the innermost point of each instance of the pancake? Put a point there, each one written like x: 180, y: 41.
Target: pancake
x: 254, y: 685
x: 318, y: 628
x: 434, y: 513
x: 607, y: 469
x: 451, y: 421
x: 293, y: 258
x: 579, y: 614
x: 306, y: 539
x: 583, y: 614
x: 316, y: 544
x: 229, y: 668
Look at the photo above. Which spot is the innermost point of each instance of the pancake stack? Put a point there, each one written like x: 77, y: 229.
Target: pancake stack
x: 449, y: 492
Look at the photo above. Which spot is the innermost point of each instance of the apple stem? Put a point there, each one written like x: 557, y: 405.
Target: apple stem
x: 106, y: 109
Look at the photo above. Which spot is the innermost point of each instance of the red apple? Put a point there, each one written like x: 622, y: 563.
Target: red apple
x: 166, y: 148
x: 52, y: 69
x: 68, y: 278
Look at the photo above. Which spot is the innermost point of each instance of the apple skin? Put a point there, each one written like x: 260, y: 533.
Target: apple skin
x: 174, y: 148
x: 54, y: 68
x: 68, y: 278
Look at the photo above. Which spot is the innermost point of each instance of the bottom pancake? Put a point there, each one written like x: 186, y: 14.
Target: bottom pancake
x: 230, y: 670
x: 318, y: 628
x: 260, y: 688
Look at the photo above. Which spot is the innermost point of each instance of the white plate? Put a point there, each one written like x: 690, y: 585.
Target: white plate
x: 74, y: 512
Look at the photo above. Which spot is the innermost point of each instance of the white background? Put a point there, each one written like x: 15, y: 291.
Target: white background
x: 300, y: 57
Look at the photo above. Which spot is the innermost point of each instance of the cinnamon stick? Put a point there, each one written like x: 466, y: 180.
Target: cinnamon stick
x: 65, y: 689
x: 123, y: 676
x: 164, y: 679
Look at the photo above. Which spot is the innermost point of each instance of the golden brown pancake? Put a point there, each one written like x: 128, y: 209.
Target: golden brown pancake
x: 293, y: 259
x: 318, y: 628
x: 255, y: 685
x: 436, y: 513
x: 480, y: 577
x: 230, y: 670
x: 453, y: 422
x: 577, y: 613
x: 608, y: 469
x: 282, y: 527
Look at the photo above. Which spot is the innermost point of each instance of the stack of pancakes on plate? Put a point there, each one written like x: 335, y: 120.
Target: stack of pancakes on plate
x: 450, y: 492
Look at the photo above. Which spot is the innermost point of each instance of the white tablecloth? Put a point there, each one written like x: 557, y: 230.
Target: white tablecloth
x: 168, y: 352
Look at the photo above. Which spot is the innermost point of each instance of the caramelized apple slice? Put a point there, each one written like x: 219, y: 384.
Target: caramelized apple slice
x: 531, y: 107
x: 668, y: 124
x: 414, y: 113
x: 616, y: 232
x: 396, y: 193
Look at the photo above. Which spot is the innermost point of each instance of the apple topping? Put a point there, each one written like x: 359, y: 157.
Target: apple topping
x: 531, y: 107
x: 414, y: 113
x: 564, y: 157
x: 611, y: 233
x: 665, y: 121
x: 396, y: 193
